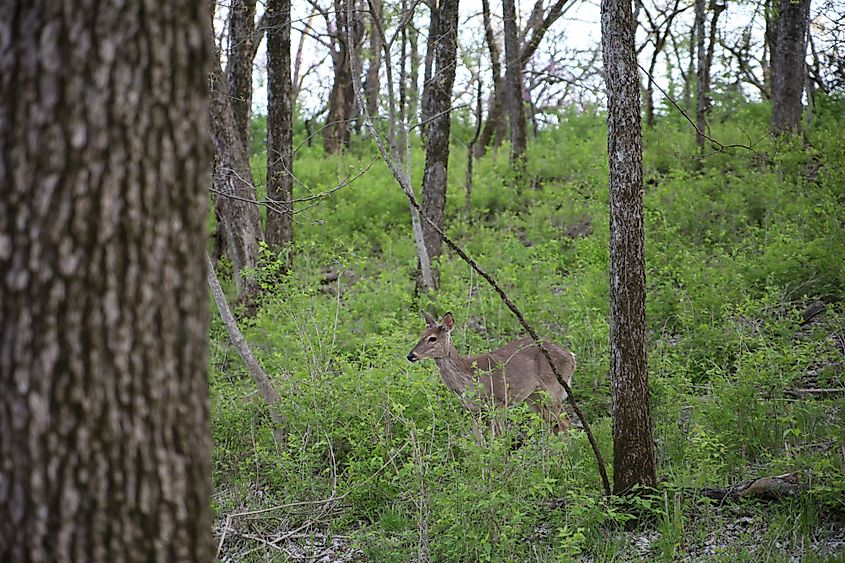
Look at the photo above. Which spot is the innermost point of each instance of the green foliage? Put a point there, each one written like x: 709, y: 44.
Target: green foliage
x: 735, y: 254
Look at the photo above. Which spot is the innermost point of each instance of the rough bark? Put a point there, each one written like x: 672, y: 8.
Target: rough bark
x: 788, y: 62
x: 232, y: 182
x: 279, y: 232
x: 105, y: 448
x: 440, y: 124
x: 239, y: 64
x: 633, y: 462
x: 513, y: 86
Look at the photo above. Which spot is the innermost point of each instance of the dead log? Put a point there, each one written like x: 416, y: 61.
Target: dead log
x: 763, y: 488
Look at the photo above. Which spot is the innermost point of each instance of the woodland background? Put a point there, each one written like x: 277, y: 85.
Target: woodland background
x: 658, y: 186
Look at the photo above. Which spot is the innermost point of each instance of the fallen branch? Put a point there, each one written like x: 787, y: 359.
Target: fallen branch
x: 403, y: 182
x: 802, y: 393
x: 763, y: 488
x: 265, y: 386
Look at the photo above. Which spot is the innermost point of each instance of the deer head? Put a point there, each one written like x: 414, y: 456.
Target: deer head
x: 435, y: 341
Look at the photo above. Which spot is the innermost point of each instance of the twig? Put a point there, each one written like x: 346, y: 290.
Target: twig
x: 223, y: 537
x: 798, y: 393
x: 276, y: 204
x: 721, y: 146
x: 460, y: 252
x: 324, y: 502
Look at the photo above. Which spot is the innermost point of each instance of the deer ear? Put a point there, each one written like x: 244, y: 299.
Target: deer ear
x: 429, y: 320
x: 448, y: 322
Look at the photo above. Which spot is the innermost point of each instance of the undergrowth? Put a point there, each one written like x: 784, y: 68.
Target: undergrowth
x: 736, y: 252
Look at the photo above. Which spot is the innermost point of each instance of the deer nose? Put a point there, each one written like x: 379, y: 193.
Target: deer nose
x: 412, y: 357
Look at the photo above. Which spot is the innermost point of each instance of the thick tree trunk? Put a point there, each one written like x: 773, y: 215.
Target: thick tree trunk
x: 633, y: 462
x: 239, y: 64
x: 105, y: 449
x: 513, y: 86
x: 437, y: 145
x: 788, y: 63
x: 232, y: 182
x: 279, y: 232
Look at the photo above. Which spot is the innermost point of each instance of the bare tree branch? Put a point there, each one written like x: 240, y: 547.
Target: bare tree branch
x: 265, y: 386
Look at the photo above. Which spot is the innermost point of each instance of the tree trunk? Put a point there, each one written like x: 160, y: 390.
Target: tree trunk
x: 496, y: 125
x: 105, y: 448
x: 513, y: 87
x: 341, y: 97
x: 232, y: 182
x: 788, y: 63
x: 701, y: 81
x: 279, y: 125
x: 372, y: 83
x: 428, y: 70
x: 413, y: 73
x: 690, y: 68
x: 770, y: 40
x: 437, y: 144
x: 470, y: 149
x: 239, y: 64
x: 633, y: 462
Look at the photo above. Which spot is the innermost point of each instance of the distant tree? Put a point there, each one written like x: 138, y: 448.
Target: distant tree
x: 513, y: 85
x: 233, y: 185
x: 372, y: 81
x: 428, y: 68
x: 440, y: 124
x: 279, y: 232
x: 341, y: 101
x: 496, y: 125
x: 239, y: 63
x: 633, y: 462
x: 531, y: 36
x: 788, y: 65
x: 105, y: 448
x: 658, y: 26
x: 705, y: 62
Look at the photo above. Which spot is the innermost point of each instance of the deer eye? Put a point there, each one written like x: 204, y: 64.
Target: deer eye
x: 432, y: 339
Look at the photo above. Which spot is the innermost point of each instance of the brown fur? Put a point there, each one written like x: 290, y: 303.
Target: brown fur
x: 503, y: 377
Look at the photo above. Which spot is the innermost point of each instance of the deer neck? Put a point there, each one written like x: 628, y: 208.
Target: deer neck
x: 456, y: 370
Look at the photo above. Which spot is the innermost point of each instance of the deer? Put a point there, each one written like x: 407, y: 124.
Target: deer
x: 515, y: 373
